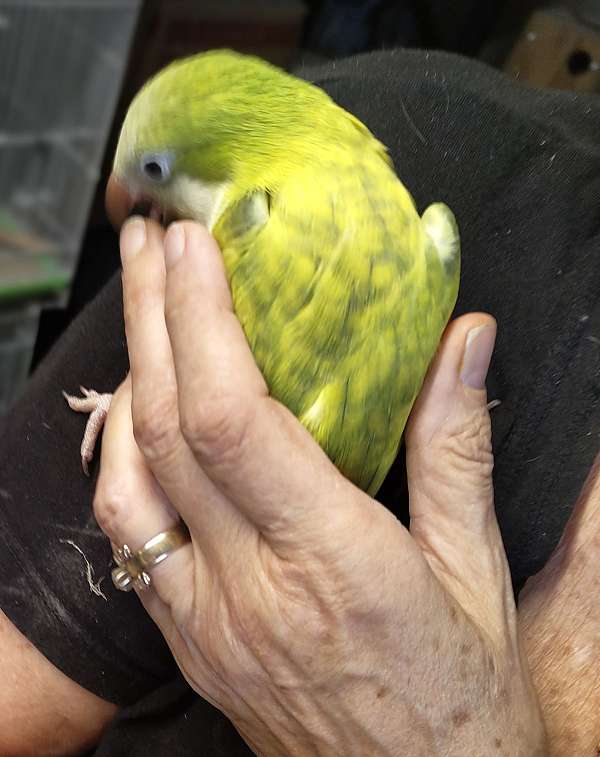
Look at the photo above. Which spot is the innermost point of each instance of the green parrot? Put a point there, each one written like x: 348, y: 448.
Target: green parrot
x: 342, y: 289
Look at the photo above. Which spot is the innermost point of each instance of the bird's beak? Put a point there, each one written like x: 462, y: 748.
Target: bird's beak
x: 119, y: 202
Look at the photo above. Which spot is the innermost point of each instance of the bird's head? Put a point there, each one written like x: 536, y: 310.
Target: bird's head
x: 204, y: 125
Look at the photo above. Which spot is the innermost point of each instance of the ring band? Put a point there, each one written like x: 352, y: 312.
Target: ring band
x: 133, y: 568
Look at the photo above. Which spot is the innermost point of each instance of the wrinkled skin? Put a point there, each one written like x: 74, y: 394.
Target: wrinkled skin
x: 560, y: 617
x: 302, y: 608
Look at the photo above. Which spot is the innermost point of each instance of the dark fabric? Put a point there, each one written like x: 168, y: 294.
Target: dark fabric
x: 348, y: 27
x: 521, y: 170
x: 98, y: 260
x: 174, y: 722
x: 47, y: 503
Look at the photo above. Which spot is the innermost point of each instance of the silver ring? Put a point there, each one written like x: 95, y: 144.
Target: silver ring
x: 132, y: 571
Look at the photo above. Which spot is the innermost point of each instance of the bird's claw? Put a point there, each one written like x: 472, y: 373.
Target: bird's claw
x: 97, y: 405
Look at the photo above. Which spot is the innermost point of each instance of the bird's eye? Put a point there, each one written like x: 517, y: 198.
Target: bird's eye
x: 156, y: 167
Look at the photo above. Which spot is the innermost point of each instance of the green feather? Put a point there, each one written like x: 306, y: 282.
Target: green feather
x: 342, y: 290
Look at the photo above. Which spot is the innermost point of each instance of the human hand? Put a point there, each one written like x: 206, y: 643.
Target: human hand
x: 559, y: 612
x: 302, y: 608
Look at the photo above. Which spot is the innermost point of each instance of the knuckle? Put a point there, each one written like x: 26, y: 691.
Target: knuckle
x: 217, y: 429
x: 155, y: 428
x: 468, y: 445
x: 112, y: 506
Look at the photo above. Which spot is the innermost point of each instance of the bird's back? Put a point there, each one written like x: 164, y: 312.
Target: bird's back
x: 342, y: 300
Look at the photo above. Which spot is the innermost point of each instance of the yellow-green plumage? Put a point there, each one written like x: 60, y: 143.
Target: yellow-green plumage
x: 342, y: 289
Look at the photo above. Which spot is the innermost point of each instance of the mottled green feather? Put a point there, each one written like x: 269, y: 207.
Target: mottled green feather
x: 341, y: 288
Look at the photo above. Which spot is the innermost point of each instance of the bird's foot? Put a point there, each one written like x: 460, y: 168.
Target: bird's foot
x: 97, y: 405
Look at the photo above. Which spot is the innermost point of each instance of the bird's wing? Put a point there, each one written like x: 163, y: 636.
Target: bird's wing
x: 341, y: 303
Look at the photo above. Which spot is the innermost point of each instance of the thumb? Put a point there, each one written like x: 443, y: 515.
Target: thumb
x: 449, y: 464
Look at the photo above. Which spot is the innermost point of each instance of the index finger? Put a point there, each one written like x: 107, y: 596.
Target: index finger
x: 143, y: 304
x: 252, y: 447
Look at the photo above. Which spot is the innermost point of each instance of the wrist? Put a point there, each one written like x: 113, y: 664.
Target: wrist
x: 559, y: 617
x: 562, y: 651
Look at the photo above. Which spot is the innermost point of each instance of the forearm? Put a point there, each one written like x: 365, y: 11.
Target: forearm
x: 560, y: 621
x: 43, y: 712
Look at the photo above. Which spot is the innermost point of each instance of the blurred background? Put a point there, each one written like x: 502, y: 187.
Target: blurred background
x: 69, y: 68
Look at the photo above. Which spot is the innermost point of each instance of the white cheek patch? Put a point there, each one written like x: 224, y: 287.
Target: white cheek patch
x: 198, y: 200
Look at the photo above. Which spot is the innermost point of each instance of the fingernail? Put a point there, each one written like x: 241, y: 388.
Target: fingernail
x: 174, y: 244
x: 133, y: 237
x: 478, y: 354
